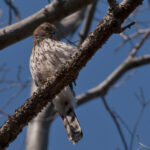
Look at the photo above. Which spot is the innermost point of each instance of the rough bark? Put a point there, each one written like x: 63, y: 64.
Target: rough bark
x: 110, y: 24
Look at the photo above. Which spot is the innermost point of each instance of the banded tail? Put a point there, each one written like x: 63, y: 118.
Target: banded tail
x: 72, y: 126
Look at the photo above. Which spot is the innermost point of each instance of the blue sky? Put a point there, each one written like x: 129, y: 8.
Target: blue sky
x: 98, y: 128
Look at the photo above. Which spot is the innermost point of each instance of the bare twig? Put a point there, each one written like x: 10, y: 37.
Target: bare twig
x: 128, y: 26
x: 116, y: 123
x: 134, y: 51
x: 141, y: 144
x: 140, y: 97
x: 3, y: 114
x: 135, y: 127
x: 14, y: 9
x: 117, y: 85
x: 123, y: 122
x: 126, y: 39
x: 143, y: 104
x: 144, y: 146
x: 6, y: 84
x: 23, y: 86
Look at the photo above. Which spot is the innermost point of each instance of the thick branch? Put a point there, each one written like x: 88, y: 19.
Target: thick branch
x: 103, y: 87
x: 38, y: 129
x: 52, y: 12
x: 68, y: 73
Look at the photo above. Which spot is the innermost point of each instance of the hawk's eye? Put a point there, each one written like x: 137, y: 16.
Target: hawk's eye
x: 46, y: 28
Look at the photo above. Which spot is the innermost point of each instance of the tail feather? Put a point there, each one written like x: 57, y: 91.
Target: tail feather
x: 72, y: 126
x: 63, y: 103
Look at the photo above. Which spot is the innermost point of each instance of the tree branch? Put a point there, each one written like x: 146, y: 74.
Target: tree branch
x: 103, y: 87
x: 14, y: 9
x: 144, y: 104
x: 144, y: 38
x: 87, y: 22
x: 67, y: 73
x: 38, y: 129
x: 53, y: 12
x: 116, y: 123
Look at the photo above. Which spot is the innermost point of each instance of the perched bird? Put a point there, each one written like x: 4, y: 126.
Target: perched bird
x: 47, y: 57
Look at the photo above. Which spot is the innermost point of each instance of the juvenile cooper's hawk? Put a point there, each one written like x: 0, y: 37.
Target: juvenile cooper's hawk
x: 47, y: 57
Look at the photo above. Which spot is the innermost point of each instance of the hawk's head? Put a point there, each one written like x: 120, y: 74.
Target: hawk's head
x: 44, y: 30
